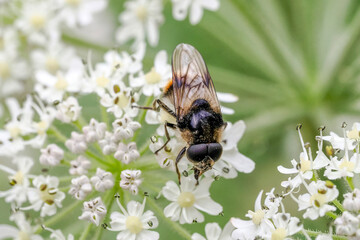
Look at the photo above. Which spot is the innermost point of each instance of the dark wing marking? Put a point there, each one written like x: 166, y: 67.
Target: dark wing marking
x: 191, y: 80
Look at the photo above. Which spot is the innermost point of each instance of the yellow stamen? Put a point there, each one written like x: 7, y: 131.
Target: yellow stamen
x: 102, y: 81
x: 278, y: 234
x: 152, y: 77
x: 133, y: 224
x: 186, y: 199
x: 141, y: 12
x: 257, y: 216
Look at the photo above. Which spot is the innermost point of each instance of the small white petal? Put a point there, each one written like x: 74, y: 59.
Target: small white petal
x: 208, y: 205
x: 239, y: 161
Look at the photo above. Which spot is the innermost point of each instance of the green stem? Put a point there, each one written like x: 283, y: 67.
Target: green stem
x: 331, y: 215
x: 176, y: 226
x: 98, y: 159
x: 316, y: 175
x: 350, y: 182
x: 78, y: 125
x: 65, y: 164
x: 315, y: 234
x: 104, y: 116
x: 65, y: 189
x: 86, y: 232
x: 53, y: 130
x: 143, y: 149
x: 65, y: 178
x: 145, y: 164
x: 81, y: 42
x: 338, y: 205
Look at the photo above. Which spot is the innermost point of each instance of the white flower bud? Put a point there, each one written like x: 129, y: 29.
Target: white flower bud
x: 94, y: 131
x: 352, y: 201
x: 108, y: 144
x: 124, y: 128
x: 347, y: 224
x: 51, y: 155
x: 68, y: 110
x: 94, y: 211
x: 76, y: 144
x: 103, y: 180
x: 130, y: 180
x: 79, y: 166
x: 80, y: 187
x: 127, y: 153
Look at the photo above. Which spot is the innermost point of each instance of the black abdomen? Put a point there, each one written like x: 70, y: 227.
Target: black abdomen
x: 202, y: 121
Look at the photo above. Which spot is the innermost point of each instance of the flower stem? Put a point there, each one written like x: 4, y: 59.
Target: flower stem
x: 331, y: 215
x: 86, y: 232
x: 78, y: 125
x: 144, y: 148
x: 350, y: 182
x: 98, y: 159
x: 338, y: 205
x: 176, y: 226
x: 57, y: 134
x: 65, y: 189
x: 104, y: 116
x: 65, y: 178
x: 83, y: 43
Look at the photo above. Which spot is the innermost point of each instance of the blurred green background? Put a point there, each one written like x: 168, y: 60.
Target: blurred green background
x: 289, y: 61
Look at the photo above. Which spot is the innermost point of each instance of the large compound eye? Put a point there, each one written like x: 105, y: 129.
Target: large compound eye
x: 197, y: 152
x: 214, y: 151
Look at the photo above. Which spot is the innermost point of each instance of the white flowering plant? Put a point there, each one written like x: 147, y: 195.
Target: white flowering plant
x: 78, y: 156
x: 313, y: 188
x: 81, y: 162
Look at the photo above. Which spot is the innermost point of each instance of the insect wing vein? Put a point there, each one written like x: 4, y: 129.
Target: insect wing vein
x: 191, y: 80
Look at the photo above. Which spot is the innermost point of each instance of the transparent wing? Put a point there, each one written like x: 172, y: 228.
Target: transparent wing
x: 191, y: 80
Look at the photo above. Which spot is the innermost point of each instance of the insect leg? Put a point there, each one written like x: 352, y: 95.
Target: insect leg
x: 171, y: 125
x: 154, y: 108
x: 157, y: 108
x: 178, y: 158
x: 197, y: 174
x: 165, y: 107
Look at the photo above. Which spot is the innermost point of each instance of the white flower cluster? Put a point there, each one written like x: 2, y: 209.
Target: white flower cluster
x: 81, y: 126
x: 270, y: 221
x: 141, y: 19
x: 102, y: 157
x: 32, y: 48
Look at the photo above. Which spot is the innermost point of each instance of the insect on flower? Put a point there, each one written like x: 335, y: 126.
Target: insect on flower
x: 194, y: 105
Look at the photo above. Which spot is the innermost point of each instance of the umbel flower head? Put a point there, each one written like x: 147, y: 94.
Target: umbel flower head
x: 76, y: 149
x: 85, y: 161
x: 321, y: 198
